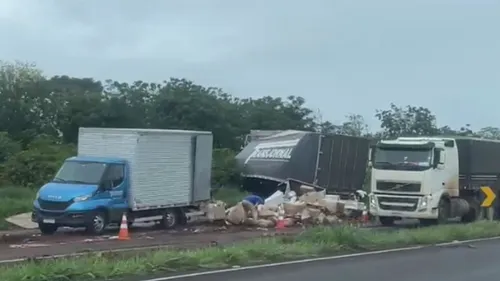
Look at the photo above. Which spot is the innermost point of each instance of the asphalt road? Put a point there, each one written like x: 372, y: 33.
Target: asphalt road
x: 466, y: 262
x: 32, y: 245
x: 77, y: 243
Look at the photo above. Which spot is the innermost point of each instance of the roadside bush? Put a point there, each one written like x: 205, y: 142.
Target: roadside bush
x: 42, y: 158
x: 224, y: 169
x: 36, y: 164
x: 8, y: 147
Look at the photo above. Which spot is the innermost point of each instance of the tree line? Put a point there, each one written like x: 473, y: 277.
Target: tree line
x: 41, y: 116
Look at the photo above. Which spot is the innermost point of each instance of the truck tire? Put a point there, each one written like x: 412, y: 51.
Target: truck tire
x: 473, y: 214
x: 386, y: 221
x: 47, y: 228
x: 130, y: 220
x: 443, y: 214
x: 443, y: 211
x: 97, y: 223
x: 181, y: 217
x: 170, y: 219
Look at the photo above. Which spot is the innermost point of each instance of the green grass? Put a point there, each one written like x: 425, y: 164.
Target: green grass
x: 13, y: 201
x: 319, y: 241
x: 229, y: 195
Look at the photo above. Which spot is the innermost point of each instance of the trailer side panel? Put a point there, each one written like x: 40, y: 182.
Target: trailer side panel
x: 342, y: 163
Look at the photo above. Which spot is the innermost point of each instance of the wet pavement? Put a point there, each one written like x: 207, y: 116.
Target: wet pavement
x: 28, y: 244
x: 75, y: 243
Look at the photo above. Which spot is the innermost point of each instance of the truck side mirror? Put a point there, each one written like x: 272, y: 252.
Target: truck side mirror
x: 371, y: 154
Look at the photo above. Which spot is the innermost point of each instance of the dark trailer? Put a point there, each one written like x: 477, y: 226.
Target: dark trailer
x: 478, y: 164
x: 335, y: 162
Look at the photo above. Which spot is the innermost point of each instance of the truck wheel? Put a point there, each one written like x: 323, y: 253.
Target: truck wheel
x: 386, y: 221
x: 474, y: 212
x: 130, y: 220
x: 97, y: 224
x: 443, y: 211
x: 443, y: 214
x: 47, y: 228
x: 181, y: 217
x: 170, y: 219
x: 471, y: 216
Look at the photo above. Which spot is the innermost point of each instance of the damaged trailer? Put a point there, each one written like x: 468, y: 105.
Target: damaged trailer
x: 337, y: 163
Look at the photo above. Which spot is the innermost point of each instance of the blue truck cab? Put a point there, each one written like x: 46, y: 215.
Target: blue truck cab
x: 88, y: 192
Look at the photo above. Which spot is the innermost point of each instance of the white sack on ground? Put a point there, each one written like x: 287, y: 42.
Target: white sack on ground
x: 275, y: 199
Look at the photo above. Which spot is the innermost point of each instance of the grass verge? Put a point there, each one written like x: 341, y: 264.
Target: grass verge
x: 319, y: 241
x: 13, y: 201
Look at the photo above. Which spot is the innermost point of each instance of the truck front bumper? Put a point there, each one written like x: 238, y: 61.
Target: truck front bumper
x: 412, y: 207
x: 71, y: 219
x: 405, y: 215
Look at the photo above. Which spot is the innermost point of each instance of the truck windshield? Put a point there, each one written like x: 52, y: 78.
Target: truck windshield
x: 80, y: 172
x: 402, y: 159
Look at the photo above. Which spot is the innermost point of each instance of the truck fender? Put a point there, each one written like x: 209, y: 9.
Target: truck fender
x: 445, y: 197
x: 103, y: 210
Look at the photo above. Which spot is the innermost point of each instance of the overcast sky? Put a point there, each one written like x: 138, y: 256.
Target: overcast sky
x: 341, y: 56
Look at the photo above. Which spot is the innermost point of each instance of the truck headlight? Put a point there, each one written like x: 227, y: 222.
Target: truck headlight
x: 81, y: 198
x: 373, y: 201
x: 424, y: 202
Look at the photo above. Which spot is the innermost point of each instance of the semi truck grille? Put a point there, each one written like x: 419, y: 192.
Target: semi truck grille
x: 53, y: 206
x: 402, y: 204
x: 398, y: 186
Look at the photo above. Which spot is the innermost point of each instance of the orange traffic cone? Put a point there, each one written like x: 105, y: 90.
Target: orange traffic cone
x: 123, y: 234
x: 280, y: 224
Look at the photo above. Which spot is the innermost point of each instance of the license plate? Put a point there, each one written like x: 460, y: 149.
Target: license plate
x: 396, y: 214
x: 49, y: 221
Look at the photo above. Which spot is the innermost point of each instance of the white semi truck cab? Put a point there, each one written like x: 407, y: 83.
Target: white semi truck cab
x: 432, y: 179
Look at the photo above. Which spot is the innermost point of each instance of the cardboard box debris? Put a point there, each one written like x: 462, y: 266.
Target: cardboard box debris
x: 312, y: 197
x: 265, y: 211
x: 291, y: 209
x: 236, y: 214
x: 216, y: 211
x: 311, y: 207
x: 265, y: 223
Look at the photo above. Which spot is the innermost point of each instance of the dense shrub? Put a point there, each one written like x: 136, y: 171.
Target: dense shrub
x: 224, y: 168
x: 35, y: 165
x: 8, y: 146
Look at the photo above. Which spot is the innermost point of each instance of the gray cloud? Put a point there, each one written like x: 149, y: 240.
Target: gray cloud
x: 342, y: 56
